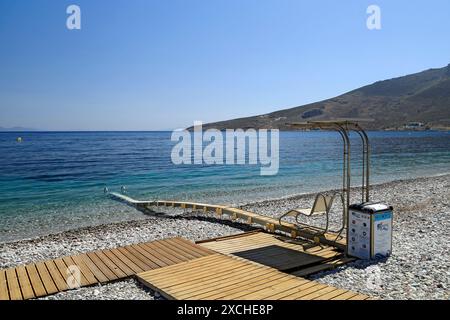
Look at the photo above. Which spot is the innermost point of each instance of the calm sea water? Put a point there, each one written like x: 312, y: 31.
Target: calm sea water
x: 54, y: 181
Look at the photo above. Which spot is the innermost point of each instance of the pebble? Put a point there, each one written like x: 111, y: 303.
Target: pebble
x: 418, y: 268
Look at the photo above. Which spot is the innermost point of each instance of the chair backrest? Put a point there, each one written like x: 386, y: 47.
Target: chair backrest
x: 322, y: 203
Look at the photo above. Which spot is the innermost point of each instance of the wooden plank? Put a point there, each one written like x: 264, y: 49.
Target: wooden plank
x: 190, y: 264
x: 83, y: 280
x: 96, y: 272
x: 194, y: 247
x: 35, y: 279
x: 329, y: 265
x: 110, y: 264
x: 146, y: 263
x: 60, y: 282
x: 181, y: 249
x: 239, y: 286
x: 126, y: 261
x: 305, y: 292
x: 189, y: 272
x: 126, y: 269
x: 345, y: 296
x: 150, y: 256
x: 71, y: 280
x: 110, y: 275
x: 331, y: 295
x: 188, y: 249
x: 218, y: 239
x: 47, y: 280
x: 143, y: 266
x: 182, y: 267
x: 292, y: 290
x: 263, y: 240
x: 192, y: 286
x: 162, y: 254
x: 4, y: 293
x: 269, y: 293
x: 163, y: 251
x: 265, y: 291
x: 359, y: 297
x: 158, y: 259
x: 25, y: 284
x: 318, y: 293
x: 87, y: 276
x: 13, y: 284
x: 241, y: 292
x: 200, y: 276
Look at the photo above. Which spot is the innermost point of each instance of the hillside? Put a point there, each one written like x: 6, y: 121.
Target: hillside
x: 421, y: 97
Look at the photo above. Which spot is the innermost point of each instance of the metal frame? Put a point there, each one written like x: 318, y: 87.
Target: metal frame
x: 344, y: 127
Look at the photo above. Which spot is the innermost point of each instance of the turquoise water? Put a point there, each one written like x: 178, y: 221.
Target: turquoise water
x: 54, y: 181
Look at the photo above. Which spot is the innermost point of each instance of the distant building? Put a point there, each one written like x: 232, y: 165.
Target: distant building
x: 414, y: 125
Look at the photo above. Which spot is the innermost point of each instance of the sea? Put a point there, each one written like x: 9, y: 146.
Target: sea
x: 56, y: 181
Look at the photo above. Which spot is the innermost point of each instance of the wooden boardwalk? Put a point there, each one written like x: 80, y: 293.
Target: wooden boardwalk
x: 53, y: 276
x: 282, y: 253
x: 223, y: 277
x: 268, y: 223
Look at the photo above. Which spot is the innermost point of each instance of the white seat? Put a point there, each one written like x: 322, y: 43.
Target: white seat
x: 322, y: 205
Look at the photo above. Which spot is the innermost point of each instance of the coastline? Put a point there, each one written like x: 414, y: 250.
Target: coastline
x: 418, y: 268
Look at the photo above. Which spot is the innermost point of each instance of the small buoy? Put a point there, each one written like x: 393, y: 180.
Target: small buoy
x: 105, y: 190
x: 19, y: 139
x: 122, y: 189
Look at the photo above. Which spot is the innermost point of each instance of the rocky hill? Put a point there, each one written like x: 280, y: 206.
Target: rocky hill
x: 422, y: 97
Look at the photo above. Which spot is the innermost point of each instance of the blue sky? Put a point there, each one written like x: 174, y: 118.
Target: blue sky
x: 152, y: 65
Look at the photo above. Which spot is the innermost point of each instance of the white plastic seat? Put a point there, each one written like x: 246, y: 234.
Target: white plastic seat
x: 322, y: 205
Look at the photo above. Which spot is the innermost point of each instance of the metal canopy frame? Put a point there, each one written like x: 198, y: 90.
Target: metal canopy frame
x: 344, y: 127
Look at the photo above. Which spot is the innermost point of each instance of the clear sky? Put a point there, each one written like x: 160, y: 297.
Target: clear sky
x: 161, y: 64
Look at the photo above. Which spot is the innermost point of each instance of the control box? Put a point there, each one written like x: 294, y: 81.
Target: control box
x: 370, y: 230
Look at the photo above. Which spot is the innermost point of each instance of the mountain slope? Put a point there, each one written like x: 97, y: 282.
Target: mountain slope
x: 420, y: 97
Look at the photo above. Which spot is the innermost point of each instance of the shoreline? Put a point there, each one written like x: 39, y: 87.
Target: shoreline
x: 291, y: 197
x: 418, y: 267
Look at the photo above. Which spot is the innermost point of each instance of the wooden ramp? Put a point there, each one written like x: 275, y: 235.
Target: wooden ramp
x: 52, y: 276
x: 268, y: 223
x: 223, y: 277
x: 282, y: 253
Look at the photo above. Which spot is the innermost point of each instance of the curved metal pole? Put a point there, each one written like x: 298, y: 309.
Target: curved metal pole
x: 344, y: 132
x: 366, y: 138
x: 347, y: 139
x: 363, y: 186
x: 344, y: 167
x: 344, y: 177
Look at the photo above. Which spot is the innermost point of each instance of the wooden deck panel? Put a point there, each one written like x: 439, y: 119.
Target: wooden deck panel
x: 63, y: 270
x: 119, y: 263
x: 52, y: 276
x: 4, y: 293
x: 298, y: 257
x: 225, y: 277
x: 329, y: 265
x: 25, y: 284
x: 88, y: 274
x: 111, y: 265
x: 13, y: 285
x: 47, y: 280
x: 36, y: 282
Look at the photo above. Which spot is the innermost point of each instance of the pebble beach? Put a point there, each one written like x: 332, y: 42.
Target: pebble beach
x: 419, y: 267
